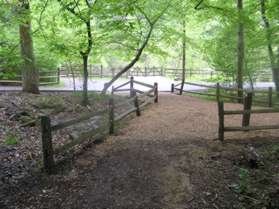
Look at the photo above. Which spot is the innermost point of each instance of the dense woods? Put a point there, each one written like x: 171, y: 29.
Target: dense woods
x: 237, y: 38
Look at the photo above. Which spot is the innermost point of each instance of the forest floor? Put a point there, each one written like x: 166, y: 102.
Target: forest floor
x: 167, y: 159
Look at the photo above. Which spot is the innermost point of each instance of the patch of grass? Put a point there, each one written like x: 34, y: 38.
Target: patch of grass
x: 242, y: 186
x: 11, y: 140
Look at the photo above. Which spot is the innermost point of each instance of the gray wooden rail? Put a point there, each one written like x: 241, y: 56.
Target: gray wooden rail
x: 47, y: 128
x: 229, y: 93
x: 52, y: 76
x: 246, y: 114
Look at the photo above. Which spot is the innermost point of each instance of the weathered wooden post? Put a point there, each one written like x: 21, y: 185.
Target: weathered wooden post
x: 111, y: 116
x: 221, y: 120
x: 131, y: 86
x: 172, y: 88
x: 270, y: 91
x: 58, y: 75
x: 247, y: 107
x: 218, y: 92
x: 156, y: 93
x: 101, y: 71
x: 47, y: 144
x: 136, y: 102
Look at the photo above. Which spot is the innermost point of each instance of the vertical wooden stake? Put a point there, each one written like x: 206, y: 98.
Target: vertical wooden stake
x: 270, y: 91
x: 247, y: 106
x: 101, y: 71
x: 136, y: 101
x: 221, y: 120
x: 58, y: 75
x: 218, y: 92
x: 172, y: 88
x: 47, y: 145
x: 156, y: 93
x: 132, y: 86
x: 111, y: 116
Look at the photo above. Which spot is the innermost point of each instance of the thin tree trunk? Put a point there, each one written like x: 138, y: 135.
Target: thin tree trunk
x: 30, y: 74
x: 85, y: 100
x: 183, y: 57
x: 274, y: 65
x: 240, y: 49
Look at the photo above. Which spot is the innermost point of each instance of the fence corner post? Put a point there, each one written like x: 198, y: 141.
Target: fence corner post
x: 136, y: 102
x: 270, y: 91
x: 47, y: 144
x: 111, y: 115
x: 58, y: 75
x: 247, y: 107
x: 221, y: 120
x: 156, y: 92
x: 218, y: 92
x: 131, y: 86
x: 172, y: 88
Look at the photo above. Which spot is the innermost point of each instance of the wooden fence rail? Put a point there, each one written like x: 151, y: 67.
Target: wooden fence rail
x: 226, y: 92
x: 46, y: 78
x: 47, y: 128
x: 246, y: 114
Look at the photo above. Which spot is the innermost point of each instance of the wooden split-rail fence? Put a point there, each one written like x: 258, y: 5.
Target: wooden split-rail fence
x: 45, y: 78
x: 246, y: 115
x: 219, y: 92
x: 106, y: 120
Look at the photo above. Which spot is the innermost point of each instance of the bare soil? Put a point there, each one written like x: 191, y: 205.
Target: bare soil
x: 167, y: 159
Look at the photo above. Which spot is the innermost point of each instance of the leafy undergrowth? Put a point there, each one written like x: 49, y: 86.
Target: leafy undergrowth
x: 20, y: 138
x: 258, y: 184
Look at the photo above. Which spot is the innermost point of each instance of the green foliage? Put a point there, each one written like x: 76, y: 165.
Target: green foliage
x: 119, y: 28
x: 11, y: 139
x: 242, y: 186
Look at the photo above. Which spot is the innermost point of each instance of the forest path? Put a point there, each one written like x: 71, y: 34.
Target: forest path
x: 166, y: 159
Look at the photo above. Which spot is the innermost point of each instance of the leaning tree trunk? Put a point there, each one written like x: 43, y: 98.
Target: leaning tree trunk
x: 30, y: 74
x: 240, y: 49
x: 132, y: 63
x: 274, y: 65
x: 183, y: 58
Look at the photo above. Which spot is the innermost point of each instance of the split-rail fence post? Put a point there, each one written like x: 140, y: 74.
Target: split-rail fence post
x: 172, y: 88
x: 221, y: 120
x: 270, y: 91
x: 218, y: 92
x: 136, y: 102
x: 247, y: 107
x: 47, y: 145
x: 156, y: 93
x: 111, y: 115
x: 131, y: 86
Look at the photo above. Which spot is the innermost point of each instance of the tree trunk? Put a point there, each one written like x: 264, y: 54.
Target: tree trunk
x: 274, y: 65
x: 240, y: 49
x: 183, y: 58
x: 30, y: 73
x: 85, y: 100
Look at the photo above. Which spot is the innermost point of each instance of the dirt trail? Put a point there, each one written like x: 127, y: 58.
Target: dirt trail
x: 166, y: 159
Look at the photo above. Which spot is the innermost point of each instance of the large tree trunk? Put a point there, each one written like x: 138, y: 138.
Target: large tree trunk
x: 183, y: 57
x: 274, y: 65
x: 30, y: 73
x: 240, y: 49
